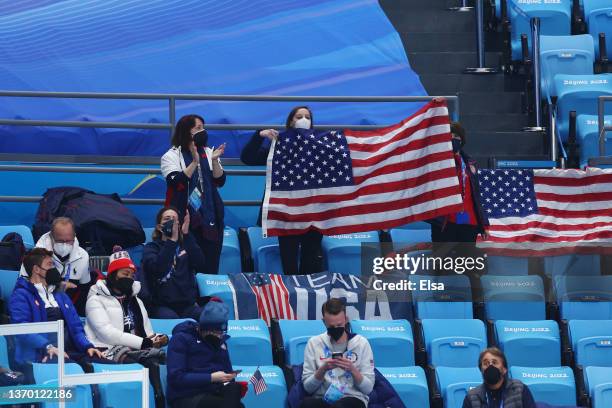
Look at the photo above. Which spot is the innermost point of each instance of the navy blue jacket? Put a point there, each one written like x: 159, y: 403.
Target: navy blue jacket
x: 382, y: 396
x: 191, y: 361
x: 255, y: 153
x: 179, y: 288
x: 26, y: 306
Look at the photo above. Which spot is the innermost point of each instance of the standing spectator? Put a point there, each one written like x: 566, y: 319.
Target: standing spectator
x: 338, y: 365
x: 169, y: 264
x: 193, y: 173
x: 498, y: 390
x: 300, y: 249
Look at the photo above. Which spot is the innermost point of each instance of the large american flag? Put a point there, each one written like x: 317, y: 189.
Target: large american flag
x: 554, y: 211
x: 343, y: 182
x: 272, y: 296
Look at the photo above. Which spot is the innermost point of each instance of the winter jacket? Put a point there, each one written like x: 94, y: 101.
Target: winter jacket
x: 515, y: 395
x: 191, y: 361
x: 26, y: 306
x: 173, y: 286
x: 255, y: 153
x: 105, y: 318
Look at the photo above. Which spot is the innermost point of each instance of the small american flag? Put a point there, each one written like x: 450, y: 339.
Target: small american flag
x: 272, y: 296
x: 343, y: 182
x: 259, y: 384
x: 547, y: 211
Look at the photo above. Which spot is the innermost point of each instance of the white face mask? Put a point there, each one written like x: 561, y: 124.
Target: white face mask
x: 302, y: 123
x: 62, y: 249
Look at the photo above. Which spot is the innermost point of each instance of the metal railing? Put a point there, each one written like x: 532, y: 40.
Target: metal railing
x: 480, y: 43
x: 602, y: 129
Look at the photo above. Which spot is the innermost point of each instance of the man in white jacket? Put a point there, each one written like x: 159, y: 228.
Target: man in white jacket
x: 338, y: 365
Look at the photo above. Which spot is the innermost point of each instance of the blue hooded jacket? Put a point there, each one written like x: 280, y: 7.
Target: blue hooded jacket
x: 26, y: 306
x: 191, y: 361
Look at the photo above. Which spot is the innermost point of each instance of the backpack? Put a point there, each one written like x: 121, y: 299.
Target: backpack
x: 12, y: 251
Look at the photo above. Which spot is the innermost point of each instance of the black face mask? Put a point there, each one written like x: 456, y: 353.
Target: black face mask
x: 53, y: 277
x: 457, y: 144
x: 491, y: 375
x: 124, y: 286
x: 335, y: 332
x: 201, y: 138
x: 213, y: 340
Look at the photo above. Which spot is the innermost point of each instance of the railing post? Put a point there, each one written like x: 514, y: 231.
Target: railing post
x: 553, y: 136
x: 480, y: 43
x: 601, y: 125
x: 537, y: 79
x: 462, y: 8
x: 172, y: 113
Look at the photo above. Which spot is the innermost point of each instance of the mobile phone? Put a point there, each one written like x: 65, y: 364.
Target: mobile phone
x: 167, y: 228
x: 236, y: 371
x: 337, y: 355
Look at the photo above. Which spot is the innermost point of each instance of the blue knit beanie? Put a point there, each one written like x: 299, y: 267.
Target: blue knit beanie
x: 214, y: 315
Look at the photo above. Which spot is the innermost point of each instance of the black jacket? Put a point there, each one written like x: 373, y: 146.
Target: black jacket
x: 255, y: 153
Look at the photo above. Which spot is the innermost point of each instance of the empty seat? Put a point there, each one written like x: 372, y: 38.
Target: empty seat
x: 587, y: 132
x: 454, y: 302
x: 343, y: 252
x: 217, y: 285
x: 552, y: 385
x: 46, y: 374
x: 598, y: 385
x: 507, y: 265
x: 264, y: 251
x: 23, y: 230
x: 148, y: 234
x: 579, y: 93
x: 574, y: 264
x: 454, y: 342
x: 529, y: 344
x: 598, y: 16
x: 564, y: 54
x: 391, y: 341
x: 114, y: 394
x: 514, y: 297
x: 591, y: 342
x: 295, y: 335
x: 454, y: 383
x: 249, y: 343
x: 555, y: 19
x: 410, y: 384
x: 230, y: 253
x: 584, y: 297
x: 274, y: 396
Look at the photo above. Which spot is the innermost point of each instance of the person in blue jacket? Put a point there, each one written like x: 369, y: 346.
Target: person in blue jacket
x: 199, y: 368
x: 36, y: 298
x: 170, y: 263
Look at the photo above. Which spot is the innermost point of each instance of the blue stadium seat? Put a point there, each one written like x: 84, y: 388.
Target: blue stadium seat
x: 217, y: 285
x: 565, y: 54
x: 579, y: 93
x: 230, y: 253
x: 165, y: 326
x: 575, y: 264
x: 555, y: 19
x: 587, y: 132
x: 23, y: 230
x: 46, y: 374
x: 409, y: 383
x: 454, y: 342
x: 418, y: 225
x: 343, y: 252
x: 598, y: 16
x: 249, y: 344
x: 136, y: 254
x: 4, y: 356
x: 552, y: 385
x: 7, y: 283
x: 514, y: 297
x: 264, y: 251
x: 391, y: 341
x: 598, y: 385
x: 592, y: 343
x: 276, y: 394
x: 417, y: 238
x: 529, y: 344
x: 163, y: 376
x: 454, y: 302
x: 584, y: 297
x: 113, y: 395
x: 296, y: 334
x: 507, y: 265
x: 454, y: 383
x: 148, y: 234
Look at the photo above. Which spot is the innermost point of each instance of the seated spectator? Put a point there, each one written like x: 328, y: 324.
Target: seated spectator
x: 170, y: 263
x: 118, y: 321
x: 200, y: 372
x: 498, y: 390
x: 37, y: 298
x: 69, y: 258
x: 338, y: 365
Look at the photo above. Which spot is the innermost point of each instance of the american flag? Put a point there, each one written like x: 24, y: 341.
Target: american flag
x: 342, y: 182
x: 259, y: 384
x: 553, y: 211
x: 272, y: 296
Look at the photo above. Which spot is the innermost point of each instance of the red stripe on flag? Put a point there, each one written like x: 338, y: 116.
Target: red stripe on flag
x: 564, y: 181
x: 574, y: 214
x: 260, y: 307
x: 575, y: 198
x: 407, y: 165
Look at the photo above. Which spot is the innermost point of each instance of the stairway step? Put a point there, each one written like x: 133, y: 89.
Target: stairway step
x: 503, y: 143
x: 433, y: 21
x: 491, y: 103
x: 445, y: 84
x: 448, y: 62
x: 509, y: 122
x: 447, y: 42
x: 399, y: 5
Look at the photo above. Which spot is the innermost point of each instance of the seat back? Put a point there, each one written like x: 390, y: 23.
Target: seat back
x: 113, y: 395
x: 23, y: 230
x: 587, y: 131
x: 507, y: 265
x: 391, y: 341
x: 553, y: 385
x: 592, y: 343
x: 410, y: 384
x: 295, y: 334
x: 455, y: 383
x: 454, y: 302
x: 165, y: 326
x: 454, y: 342
x: 343, y: 252
x: 276, y: 394
x: 217, y: 285
x: 268, y: 259
x: 257, y: 240
x: 514, y: 297
x: 598, y: 16
x: 599, y: 386
x: 584, y: 297
x: 530, y: 343
x: 574, y: 264
x: 246, y: 337
x: 148, y: 234
x: 46, y: 375
x: 230, y: 253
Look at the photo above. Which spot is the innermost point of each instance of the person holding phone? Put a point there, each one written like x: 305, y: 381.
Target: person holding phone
x: 200, y: 372
x: 193, y: 173
x: 170, y: 263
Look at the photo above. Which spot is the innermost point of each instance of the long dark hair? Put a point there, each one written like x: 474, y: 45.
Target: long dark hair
x: 292, y: 114
x: 156, y: 233
x: 182, y: 132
